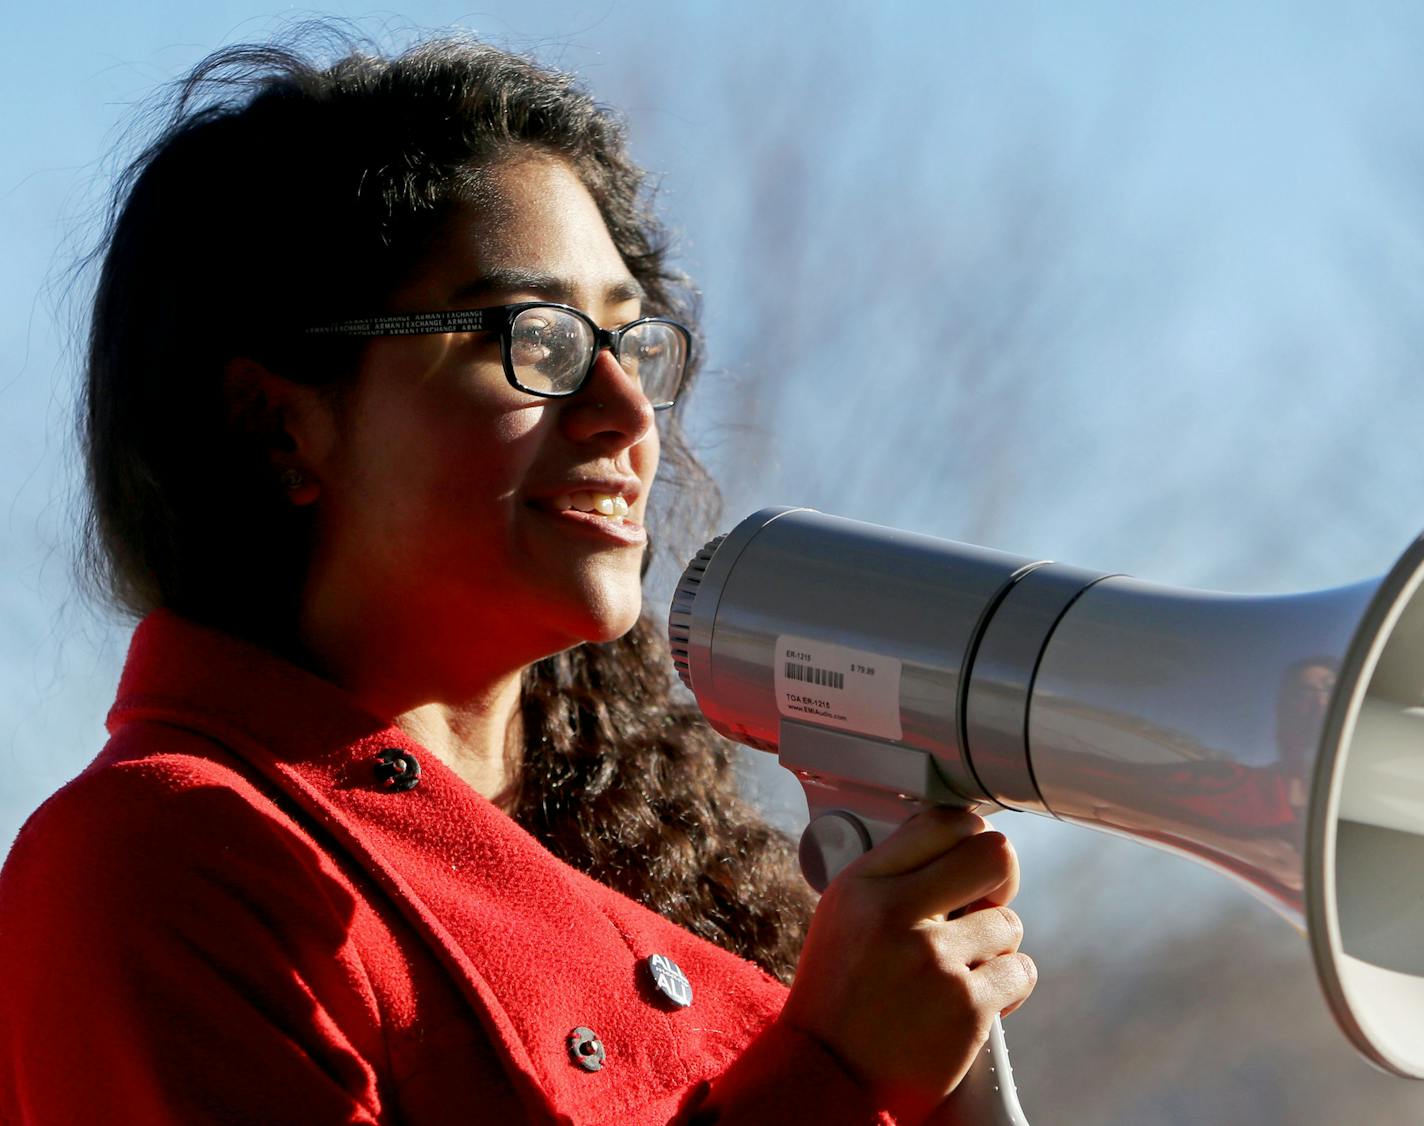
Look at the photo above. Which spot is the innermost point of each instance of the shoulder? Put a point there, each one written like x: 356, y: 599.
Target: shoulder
x: 171, y: 914
x: 161, y: 813
x: 164, y: 861
x: 150, y: 778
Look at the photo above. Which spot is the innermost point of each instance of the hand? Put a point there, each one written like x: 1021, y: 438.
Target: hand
x: 902, y: 995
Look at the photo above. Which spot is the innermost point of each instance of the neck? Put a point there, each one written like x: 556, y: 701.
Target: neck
x: 480, y: 739
x: 465, y: 712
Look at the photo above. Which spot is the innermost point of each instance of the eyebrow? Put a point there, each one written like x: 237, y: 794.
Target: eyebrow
x: 513, y: 279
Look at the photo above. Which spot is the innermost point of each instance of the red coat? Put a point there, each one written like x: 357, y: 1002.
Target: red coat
x: 228, y: 918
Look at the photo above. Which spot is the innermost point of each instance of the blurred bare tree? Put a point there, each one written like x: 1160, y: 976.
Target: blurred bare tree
x: 900, y: 329
x: 886, y: 343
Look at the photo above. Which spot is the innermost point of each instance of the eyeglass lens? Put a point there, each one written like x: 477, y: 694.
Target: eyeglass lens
x: 550, y: 350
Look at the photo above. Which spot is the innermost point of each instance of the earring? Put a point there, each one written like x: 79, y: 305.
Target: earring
x: 301, y: 490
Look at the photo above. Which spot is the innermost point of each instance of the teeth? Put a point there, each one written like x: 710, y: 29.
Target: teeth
x: 610, y: 505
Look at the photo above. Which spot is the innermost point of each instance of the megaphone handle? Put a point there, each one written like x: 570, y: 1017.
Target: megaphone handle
x: 986, y: 1096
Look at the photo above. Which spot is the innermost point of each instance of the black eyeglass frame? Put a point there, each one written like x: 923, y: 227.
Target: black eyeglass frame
x: 500, y: 319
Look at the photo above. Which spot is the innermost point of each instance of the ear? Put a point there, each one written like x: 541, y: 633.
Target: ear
x: 291, y: 426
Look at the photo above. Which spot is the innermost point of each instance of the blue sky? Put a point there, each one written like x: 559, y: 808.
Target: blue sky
x: 1135, y: 286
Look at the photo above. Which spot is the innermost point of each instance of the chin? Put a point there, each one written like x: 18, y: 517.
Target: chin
x: 611, y: 616
x: 609, y: 629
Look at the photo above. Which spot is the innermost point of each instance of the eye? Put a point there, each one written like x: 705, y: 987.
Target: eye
x: 549, y: 349
x: 535, y: 336
x: 650, y: 346
x: 528, y: 350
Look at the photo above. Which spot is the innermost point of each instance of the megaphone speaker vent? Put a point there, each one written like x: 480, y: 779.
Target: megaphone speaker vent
x: 680, y: 614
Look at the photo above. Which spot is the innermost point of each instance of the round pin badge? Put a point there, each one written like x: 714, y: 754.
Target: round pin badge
x: 669, y: 980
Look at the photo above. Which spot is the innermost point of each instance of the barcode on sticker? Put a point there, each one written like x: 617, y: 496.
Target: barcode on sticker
x: 840, y: 686
x: 824, y: 678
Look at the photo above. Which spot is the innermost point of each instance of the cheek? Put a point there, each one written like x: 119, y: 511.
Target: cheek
x: 485, y: 454
x: 646, y: 456
x: 421, y: 463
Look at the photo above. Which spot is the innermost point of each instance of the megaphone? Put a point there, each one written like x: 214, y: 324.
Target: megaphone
x: 1278, y: 740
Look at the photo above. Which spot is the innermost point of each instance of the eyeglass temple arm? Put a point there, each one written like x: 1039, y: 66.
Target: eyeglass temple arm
x: 411, y: 324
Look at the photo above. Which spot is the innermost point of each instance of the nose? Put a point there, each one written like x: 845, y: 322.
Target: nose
x: 610, y: 407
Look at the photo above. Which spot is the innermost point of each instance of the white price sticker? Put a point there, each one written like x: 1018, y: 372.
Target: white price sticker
x: 837, y: 686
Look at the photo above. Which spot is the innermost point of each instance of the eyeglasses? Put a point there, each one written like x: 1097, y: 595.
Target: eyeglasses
x: 550, y: 349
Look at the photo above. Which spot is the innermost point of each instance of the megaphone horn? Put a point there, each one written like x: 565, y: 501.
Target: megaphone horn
x: 1279, y: 740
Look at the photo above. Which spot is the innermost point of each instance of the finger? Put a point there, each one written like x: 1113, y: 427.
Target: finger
x: 923, y: 838
x: 982, y: 867
x: 1005, y: 982
x: 981, y: 937
x: 1005, y: 892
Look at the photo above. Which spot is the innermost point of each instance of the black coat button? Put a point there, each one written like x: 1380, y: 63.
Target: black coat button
x: 669, y: 980
x: 586, y: 1049
x: 397, y: 769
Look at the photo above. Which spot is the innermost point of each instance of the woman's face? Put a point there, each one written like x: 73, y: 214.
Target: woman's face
x: 452, y: 503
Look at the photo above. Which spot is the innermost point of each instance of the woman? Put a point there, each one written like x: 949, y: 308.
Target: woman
x: 398, y: 821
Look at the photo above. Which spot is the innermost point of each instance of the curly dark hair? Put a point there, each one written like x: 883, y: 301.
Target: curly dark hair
x: 281, y: 193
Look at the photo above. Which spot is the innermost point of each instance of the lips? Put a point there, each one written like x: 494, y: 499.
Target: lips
x: 602, y: 507
x: 613, y: 506
x: 608, y: 498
